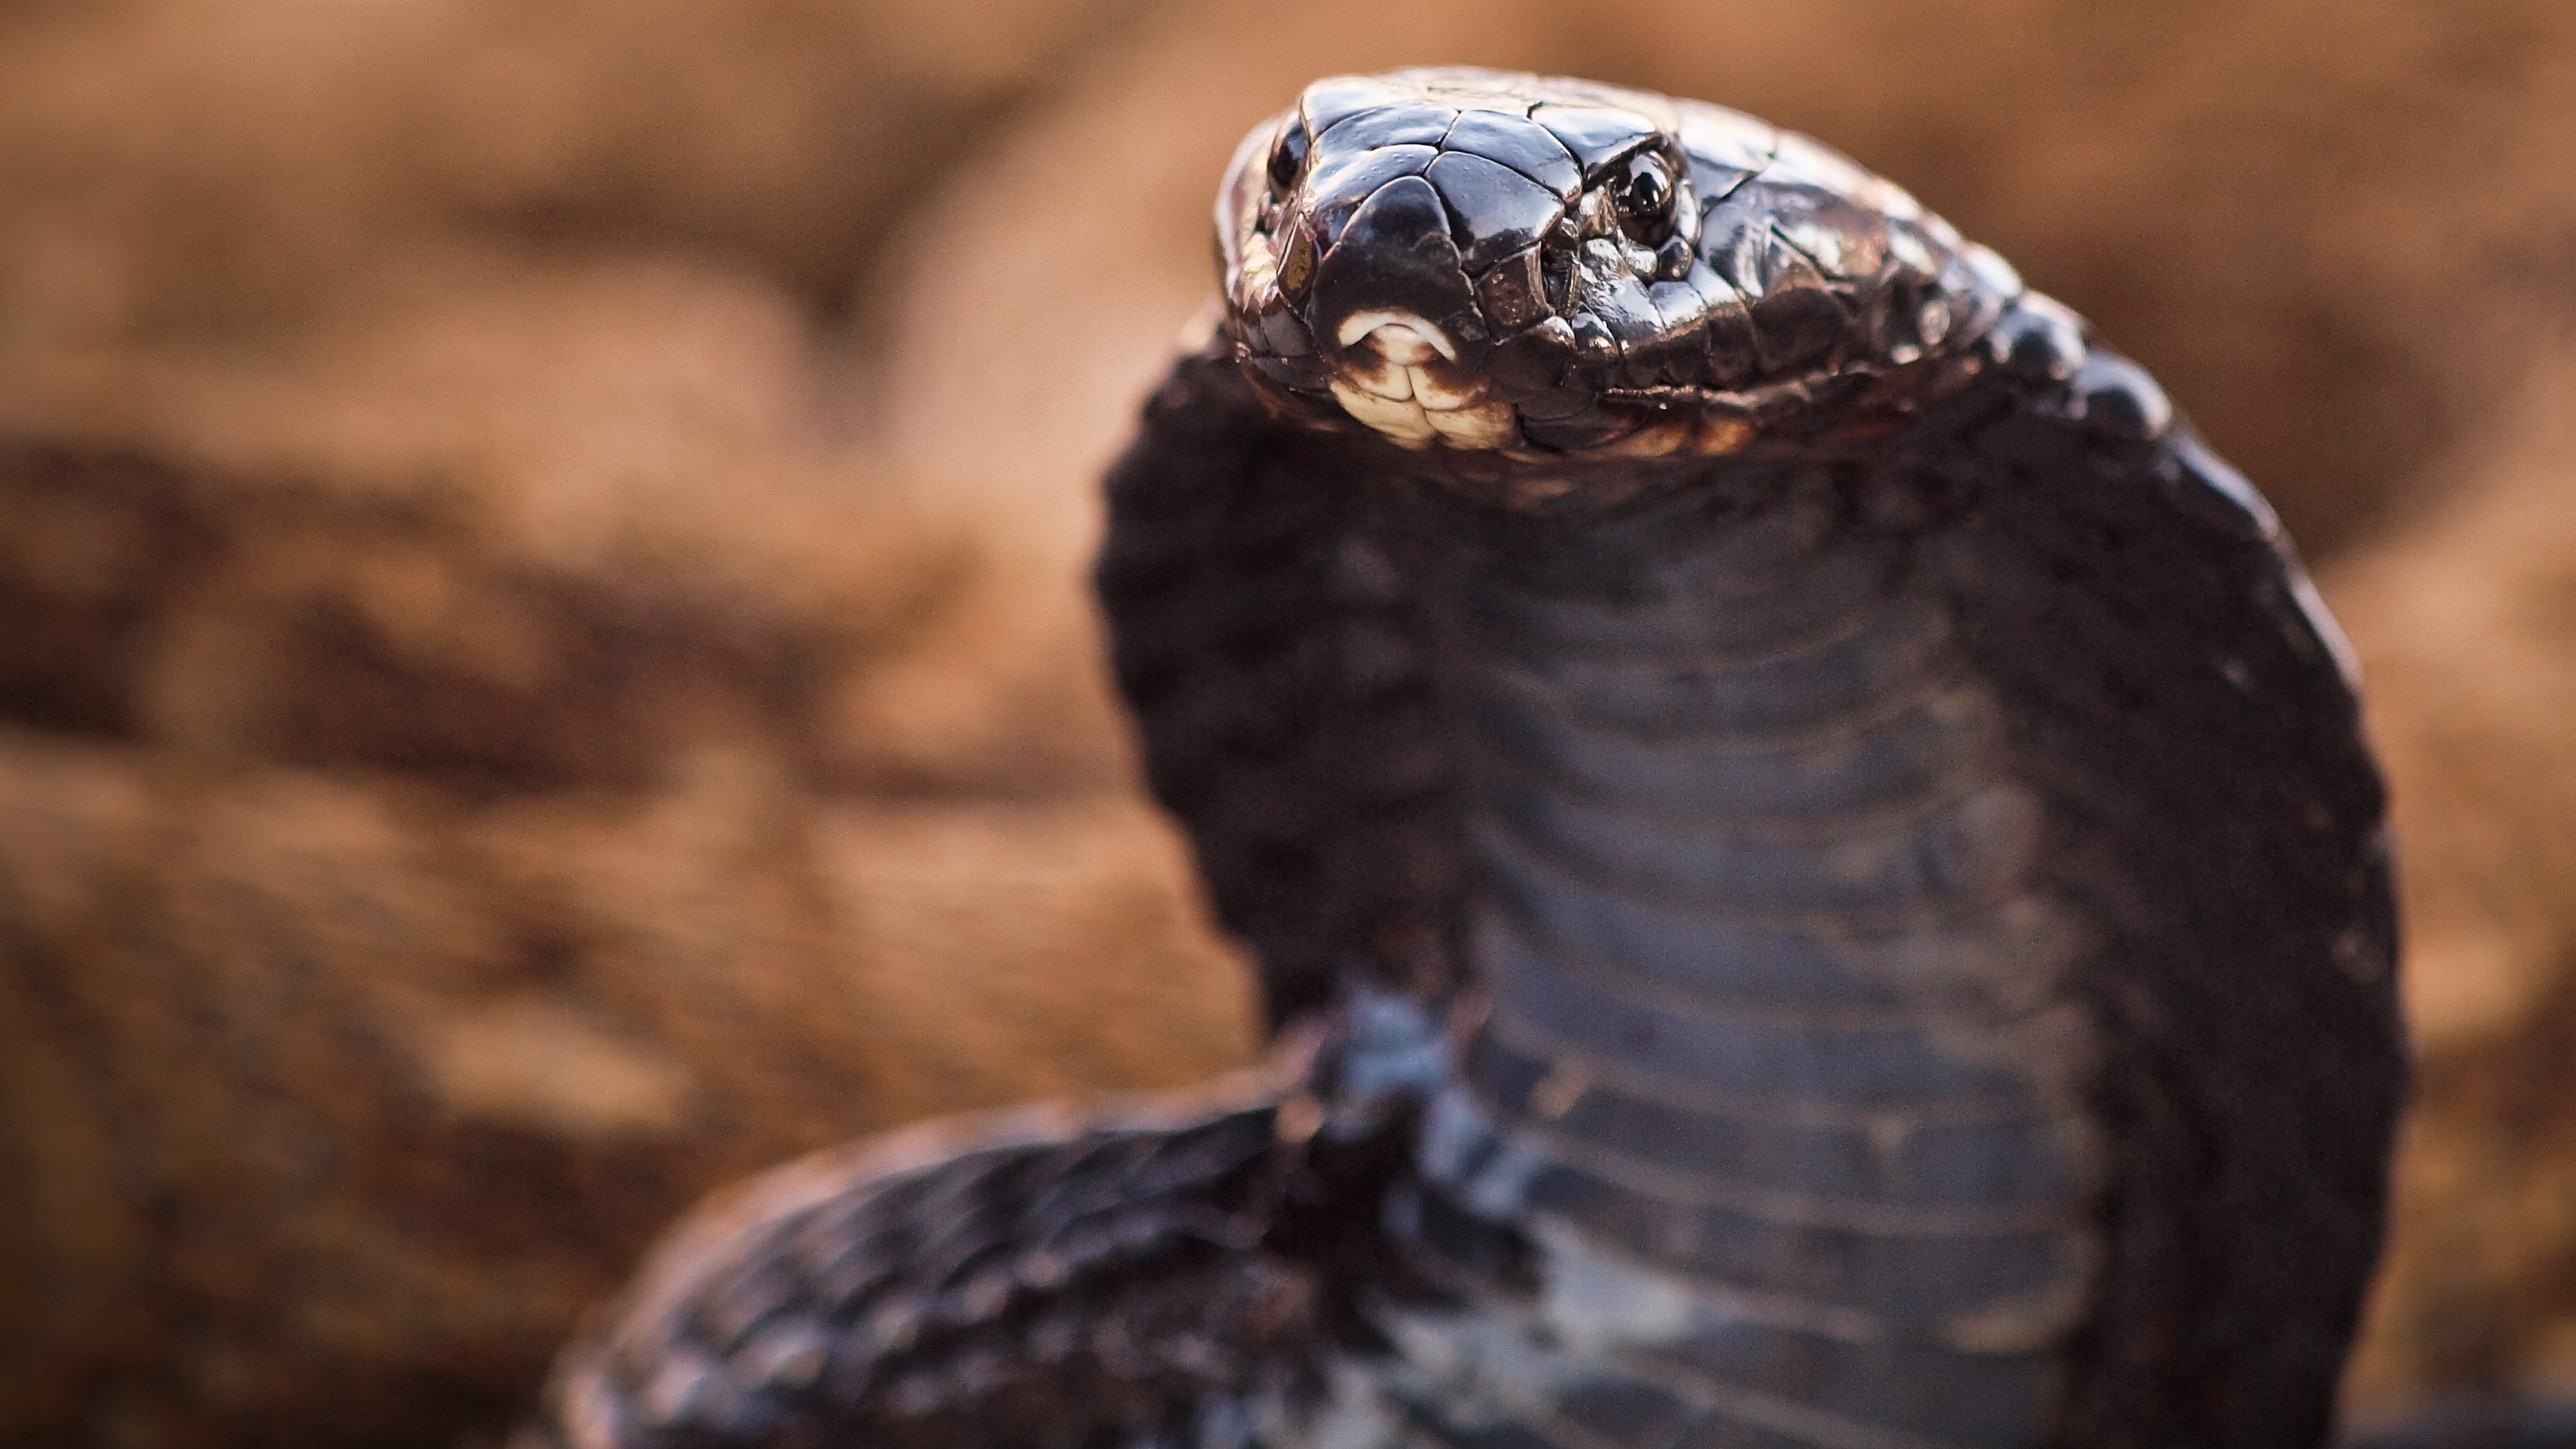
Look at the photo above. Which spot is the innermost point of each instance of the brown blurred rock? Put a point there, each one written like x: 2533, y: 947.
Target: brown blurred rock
x: 179, y: 166
x: 2467, y: 624
x: 524, y: 527
x: 329, y: 1106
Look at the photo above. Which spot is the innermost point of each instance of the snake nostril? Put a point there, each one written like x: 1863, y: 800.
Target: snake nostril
x: 1556, y: 275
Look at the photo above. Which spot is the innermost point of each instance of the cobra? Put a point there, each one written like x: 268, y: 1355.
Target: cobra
x: 1808, y: 846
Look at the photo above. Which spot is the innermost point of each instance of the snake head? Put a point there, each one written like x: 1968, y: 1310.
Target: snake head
x: 1477, y: 260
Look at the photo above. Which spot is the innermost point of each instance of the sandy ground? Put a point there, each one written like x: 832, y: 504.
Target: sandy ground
x: 544, y: 665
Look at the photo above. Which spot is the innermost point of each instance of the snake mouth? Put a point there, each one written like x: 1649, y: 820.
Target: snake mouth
x: 1399, y: 374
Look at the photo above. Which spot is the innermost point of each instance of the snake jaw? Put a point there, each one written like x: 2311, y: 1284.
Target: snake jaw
x: 1398, y: 375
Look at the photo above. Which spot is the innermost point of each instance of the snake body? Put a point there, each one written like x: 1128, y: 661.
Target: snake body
x: 1810, y: 848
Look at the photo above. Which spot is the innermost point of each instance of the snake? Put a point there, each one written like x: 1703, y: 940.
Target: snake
x: 1810, y: 851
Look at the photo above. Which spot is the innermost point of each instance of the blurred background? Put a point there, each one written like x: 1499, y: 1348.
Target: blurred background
x: 542, y: 656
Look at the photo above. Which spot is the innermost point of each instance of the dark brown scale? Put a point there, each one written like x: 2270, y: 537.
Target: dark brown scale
x: 1310, y: 720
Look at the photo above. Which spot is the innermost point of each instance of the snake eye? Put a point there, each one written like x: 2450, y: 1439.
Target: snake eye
x: 1642, y: 191
x: 1288, y: 155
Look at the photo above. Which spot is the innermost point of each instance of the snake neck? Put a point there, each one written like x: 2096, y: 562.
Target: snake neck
x: 1770, y: 1060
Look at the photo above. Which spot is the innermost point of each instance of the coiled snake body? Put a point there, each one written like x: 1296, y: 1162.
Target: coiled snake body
x: 1810, y: 849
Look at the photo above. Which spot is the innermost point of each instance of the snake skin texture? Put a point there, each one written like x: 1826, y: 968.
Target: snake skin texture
x: 1810, y: 845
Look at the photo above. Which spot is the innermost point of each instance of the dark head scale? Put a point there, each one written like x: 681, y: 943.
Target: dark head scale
x: 1475, y: 260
